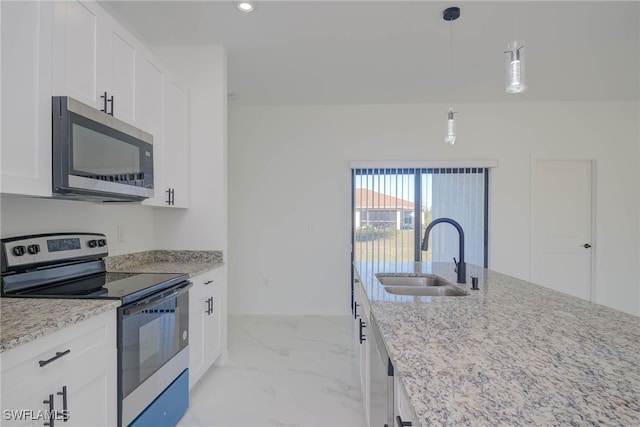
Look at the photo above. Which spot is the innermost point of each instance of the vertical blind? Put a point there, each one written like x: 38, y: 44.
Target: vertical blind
x: 393, y: 206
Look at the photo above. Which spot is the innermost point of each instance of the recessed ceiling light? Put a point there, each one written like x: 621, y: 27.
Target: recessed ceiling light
x: 245, y: 5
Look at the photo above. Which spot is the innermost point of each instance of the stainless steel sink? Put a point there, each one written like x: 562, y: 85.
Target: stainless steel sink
x: 426, y: 280
x: 426, y: 291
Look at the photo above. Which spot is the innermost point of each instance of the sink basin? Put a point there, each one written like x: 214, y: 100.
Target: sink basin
x: 426, y: 291
x: 427, y: 280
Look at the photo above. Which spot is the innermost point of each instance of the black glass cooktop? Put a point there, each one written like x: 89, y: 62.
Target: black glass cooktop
x: 122, y: 286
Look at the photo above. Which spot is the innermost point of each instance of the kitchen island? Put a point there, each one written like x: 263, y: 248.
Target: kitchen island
x: 510, y: 353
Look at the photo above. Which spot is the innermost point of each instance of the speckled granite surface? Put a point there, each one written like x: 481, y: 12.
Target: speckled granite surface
x: 160, y: 261
x: 26, y: 319
x: 512, y: 353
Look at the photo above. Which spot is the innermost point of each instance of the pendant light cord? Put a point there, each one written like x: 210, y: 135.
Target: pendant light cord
x: 451, y: 62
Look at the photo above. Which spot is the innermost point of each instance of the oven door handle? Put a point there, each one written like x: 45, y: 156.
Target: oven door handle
x: 143, y: 305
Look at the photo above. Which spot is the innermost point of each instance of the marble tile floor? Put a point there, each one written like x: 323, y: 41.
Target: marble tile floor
x: 282, y: 371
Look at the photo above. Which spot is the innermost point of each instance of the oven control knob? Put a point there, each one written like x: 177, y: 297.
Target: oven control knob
x: 19, y: 250
x: 102, y: 242
x: 92, y: 243
x: 33, y: 249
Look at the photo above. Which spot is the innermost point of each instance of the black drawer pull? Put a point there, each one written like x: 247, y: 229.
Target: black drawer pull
x: 208, y: 282
x: 402, y: 423
x: 362, y: 337
x: 58, y: 355
x: 355, y: 310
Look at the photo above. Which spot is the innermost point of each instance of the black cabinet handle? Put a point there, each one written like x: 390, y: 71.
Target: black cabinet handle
x: 105, y: 102
x: 171, y: 196
x: 355, y: 310
x: 104, y: 108
x: 586, y: 246
x: 58, y: 355
x: 209, y: 306
x: 402, y: 423
x: 51, y: 411
x: 208, y: 282
x: 65, y: 409
x: 362, y: 337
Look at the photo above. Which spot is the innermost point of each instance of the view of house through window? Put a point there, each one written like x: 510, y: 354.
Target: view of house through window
x: 392, y: 208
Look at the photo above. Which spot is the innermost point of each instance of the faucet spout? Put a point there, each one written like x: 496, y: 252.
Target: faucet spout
x: 461, y: 267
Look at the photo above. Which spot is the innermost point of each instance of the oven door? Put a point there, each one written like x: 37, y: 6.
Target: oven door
x: 153, y: 341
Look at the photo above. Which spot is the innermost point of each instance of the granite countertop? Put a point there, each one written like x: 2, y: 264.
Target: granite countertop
x: 511, y: 353
x: 26, y: 319
x: 162, y: 261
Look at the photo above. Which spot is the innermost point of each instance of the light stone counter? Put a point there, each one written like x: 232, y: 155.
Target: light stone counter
x: 511, y: 353
x: 161, y: 261
x: 26, y: 319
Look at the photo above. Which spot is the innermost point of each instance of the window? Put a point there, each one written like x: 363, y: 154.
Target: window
x: 393, y: 206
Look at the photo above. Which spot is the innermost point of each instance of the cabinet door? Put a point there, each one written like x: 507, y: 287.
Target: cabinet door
x: 91, y: 400
x: 117, y: 70
x: 176, y: 161
x: 197, y: 320
x: 75, y: 51
x: 402, y: 406
x: 215, y: 293
x: 26, y: 29
x: 207, y: 322
x: 150, y: 106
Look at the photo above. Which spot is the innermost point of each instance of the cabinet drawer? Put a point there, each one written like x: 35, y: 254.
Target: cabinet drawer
x: 21, y: 364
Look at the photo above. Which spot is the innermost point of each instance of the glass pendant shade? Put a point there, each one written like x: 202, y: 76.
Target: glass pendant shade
x: 451, y: 128
x: 515, y: 69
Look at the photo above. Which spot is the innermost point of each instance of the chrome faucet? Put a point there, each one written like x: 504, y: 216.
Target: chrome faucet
x: 460, y: 265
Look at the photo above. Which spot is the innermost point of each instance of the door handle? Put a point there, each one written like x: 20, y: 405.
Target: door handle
x: 586, y: 246
x: 65, y: 408
x: 51, y: 418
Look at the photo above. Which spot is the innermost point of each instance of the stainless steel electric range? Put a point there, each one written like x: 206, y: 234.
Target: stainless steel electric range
x: 153, y: 320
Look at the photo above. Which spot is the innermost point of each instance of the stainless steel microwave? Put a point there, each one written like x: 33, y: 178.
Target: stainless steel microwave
x: 97, y: 157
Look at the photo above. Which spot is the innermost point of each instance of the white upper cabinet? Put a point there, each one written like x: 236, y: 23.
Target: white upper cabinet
x: 150, y: 113
x: 163, y: 112
x: 117, y: 71
x: 176, y: 147
x: 26, y: 98
x: 93, y: 55
x: 74, y: 48
x: 75, y: 55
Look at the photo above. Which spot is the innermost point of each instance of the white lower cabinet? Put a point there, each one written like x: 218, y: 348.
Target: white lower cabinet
x: 402, y: 408
x: 361, y: 316
x: 207, y: 322
x: 68, y: 375
x: 404, y: 415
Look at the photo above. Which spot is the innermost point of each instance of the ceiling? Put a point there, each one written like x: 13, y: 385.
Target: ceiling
x: 363, y: 52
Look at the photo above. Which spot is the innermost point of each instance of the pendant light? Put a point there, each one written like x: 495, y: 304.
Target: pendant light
x: 451, y: 14
x: 515, y: 69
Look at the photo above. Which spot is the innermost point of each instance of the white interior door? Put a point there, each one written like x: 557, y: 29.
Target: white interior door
x: 562, y: 226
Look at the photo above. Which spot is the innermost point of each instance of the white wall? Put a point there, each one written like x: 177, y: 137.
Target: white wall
x: 22, y: 216
x: 289, y: 189
x: 204, y: 225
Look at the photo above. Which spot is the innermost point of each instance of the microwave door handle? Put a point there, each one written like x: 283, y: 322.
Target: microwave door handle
x: 139, y: 307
